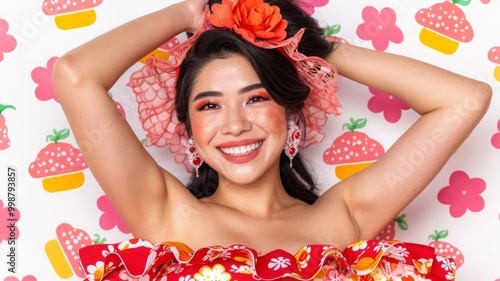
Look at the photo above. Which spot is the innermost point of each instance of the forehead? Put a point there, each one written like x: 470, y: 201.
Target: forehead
x: 225, y: 75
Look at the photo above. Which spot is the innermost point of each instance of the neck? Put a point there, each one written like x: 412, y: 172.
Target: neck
x: 261, y: 198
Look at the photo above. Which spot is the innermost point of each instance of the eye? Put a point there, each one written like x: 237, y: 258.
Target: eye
x: 258, y: 97
x: 206, y: 105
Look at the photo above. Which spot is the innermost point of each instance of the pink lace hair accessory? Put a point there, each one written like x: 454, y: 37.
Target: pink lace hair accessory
x: 154, y: 88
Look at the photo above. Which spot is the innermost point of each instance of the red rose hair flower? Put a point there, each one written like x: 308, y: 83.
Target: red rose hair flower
x: 254, y: 20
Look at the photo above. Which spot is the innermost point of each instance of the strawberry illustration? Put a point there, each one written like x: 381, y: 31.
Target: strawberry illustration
x: 63, y: 251
x: 389, y: 231
x: 4, y: 137
x: 353, y: 151
x: 118, y: 106
x: 445, y: 249
x: 59, y: 164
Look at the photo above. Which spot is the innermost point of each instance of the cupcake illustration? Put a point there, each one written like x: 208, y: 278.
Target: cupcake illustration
x: 59, y: 164
x: 494, y: 57
x: 72, y: 13
x: 63, y: 251
x: 352, y: 151
x: 444, y: 27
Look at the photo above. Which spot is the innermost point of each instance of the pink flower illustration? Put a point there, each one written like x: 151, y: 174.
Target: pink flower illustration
x: 8, y: 216
x: 380, y: 28
x: 309, y: 5
x: 495, y: 139
x: 25, y: 278
x: 7, y: 42
x: 463, y: 194
x: 43, y: 77
x: 110, y: 218
x: 391, y: 106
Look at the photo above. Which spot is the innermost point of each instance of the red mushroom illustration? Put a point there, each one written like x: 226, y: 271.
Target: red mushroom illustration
x: 494, y: 57
x: 59, y: 164
x: 353, y: 151
x: 444, y: 26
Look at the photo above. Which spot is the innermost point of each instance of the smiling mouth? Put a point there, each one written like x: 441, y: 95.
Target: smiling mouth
x: 241, y: 150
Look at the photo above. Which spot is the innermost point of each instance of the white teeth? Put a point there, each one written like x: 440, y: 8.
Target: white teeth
x: 241, y: 150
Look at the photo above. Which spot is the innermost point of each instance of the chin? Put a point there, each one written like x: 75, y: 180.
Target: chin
x: 242, y: 175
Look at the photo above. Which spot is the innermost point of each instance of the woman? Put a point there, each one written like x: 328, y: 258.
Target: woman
x: 250, y: 191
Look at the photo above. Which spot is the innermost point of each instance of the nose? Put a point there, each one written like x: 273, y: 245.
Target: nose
x: 235, y: 121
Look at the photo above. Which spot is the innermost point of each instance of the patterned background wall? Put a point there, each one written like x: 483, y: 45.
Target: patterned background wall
x: 47, y: 191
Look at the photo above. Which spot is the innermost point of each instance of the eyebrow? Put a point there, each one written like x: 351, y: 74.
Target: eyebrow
x: 243, y: 90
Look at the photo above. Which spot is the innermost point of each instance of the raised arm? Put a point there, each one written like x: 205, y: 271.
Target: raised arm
x: 450, y: 106
x: 130, y: 177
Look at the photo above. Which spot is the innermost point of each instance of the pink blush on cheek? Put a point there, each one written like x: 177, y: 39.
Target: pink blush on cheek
x: 272, y: 119
x: 198, y: 128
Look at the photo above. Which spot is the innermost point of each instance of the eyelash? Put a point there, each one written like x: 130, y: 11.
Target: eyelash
x: 262, y: 96
x: 209, y: 104
x: 206, y: 105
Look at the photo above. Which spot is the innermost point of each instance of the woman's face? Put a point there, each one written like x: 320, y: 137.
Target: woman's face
x: 237, y: 128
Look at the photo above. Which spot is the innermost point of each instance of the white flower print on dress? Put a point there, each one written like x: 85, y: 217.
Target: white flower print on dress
x: 450, y: 276
x: 327, y: 248
x: 447, y: 264
x: 382, y: 246
x: 178, y: 268
x: 399, y: 253
x: 237, y: 247
x: 125, y: 276
x: 360, y: 245
x: 243, y: 269
x: 96, y: 272
x: 423, y: 265
x: 214, y: 254
x: 217, y: 273
x: 303, y: 256
x: 110, y: 250
x: 280, y: 262
x: 396, y: 272
x: 186, y: 278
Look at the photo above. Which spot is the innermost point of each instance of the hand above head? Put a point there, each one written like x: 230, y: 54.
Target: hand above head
x: 194, y: 14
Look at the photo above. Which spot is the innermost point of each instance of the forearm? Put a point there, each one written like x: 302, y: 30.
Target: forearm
x: 104, y: 59
x: 422, y: 86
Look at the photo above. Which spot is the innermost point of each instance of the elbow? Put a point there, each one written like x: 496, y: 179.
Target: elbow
x: 482, y: 97
x: 66, y: 75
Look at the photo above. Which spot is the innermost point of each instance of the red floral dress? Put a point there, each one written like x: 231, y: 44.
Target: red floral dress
x: 138, y: 260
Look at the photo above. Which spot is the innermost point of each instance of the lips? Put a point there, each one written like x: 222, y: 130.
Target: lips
x: 240, y: 150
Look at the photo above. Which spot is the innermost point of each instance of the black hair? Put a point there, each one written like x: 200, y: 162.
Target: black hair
x: 279, y: 78
x: 313, y: 42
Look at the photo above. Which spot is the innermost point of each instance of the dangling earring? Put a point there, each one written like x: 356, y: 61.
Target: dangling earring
x: 293, y: 140
x: 194, y: 159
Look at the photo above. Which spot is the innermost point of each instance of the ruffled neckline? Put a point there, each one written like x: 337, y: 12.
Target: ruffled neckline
x: 140, y: 258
